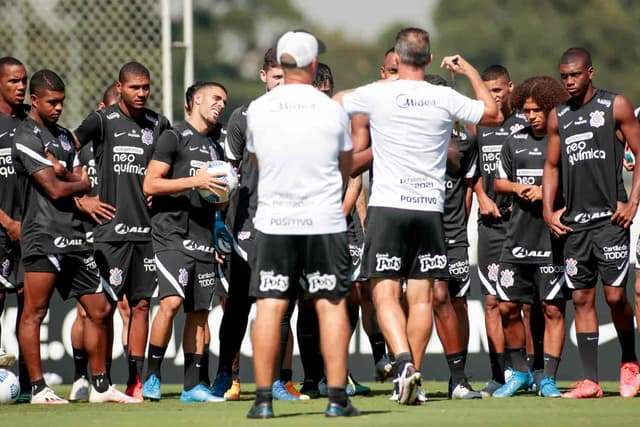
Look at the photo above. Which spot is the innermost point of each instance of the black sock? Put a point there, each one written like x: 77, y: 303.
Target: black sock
x: 402, y: 359
x: 107, y: 363
x: 192, y: 364
x: 136, y: 364
x: 38, y: 386
x: 354, y: 313
x: 125, y: 350
x: 204, y: 368
x: 378, y: 346
x: 627, y: 341
x: 465, y: 353
x: 80, y: 361
x: 551, y: 365
x: 338, y: 395
x: 497, y: 361
x: 456, y: 367
x: 518, y: 358
x: 155, y: 356
x: 263, y: 395
x: 309, y: 342
x: 100, y: 382
x: 286, y: 375
x: 530, y: 358
x: 23, y: 375
x: 588, y: 348
x: 232, y: 329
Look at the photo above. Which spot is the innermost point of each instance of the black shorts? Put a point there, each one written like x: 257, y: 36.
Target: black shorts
x: 77, y: 274
x: 530, y: 283
x: 403, y: 243
x: 355, y: 239
x: 321, y: 261
x: 459, y: 281
x: 603, y: 250
x: 238, y: 265
x: 128, y: 268
x: 11, y: 268
x: 192, y: 280
x: 490, y: 241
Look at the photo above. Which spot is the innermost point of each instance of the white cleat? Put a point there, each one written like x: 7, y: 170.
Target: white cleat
x: 79, y: 390
x: 112, y: 395
x: 47, y: 397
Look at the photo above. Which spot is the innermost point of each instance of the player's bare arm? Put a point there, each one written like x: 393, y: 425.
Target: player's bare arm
x: 486, y: 206
x: 11, y: 226
x: 156, y: 183
x: 56, y: 188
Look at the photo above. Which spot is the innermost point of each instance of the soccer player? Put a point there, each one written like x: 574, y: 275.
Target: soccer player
x: 182, y: 239
x: 300, y: 228
x: 407, y: 198
x: 123, y: 137
x: 240, y: 215
x: 585, y: 151
x: 493, y: 214
x: 530, y: 265
x: 54, y: 249
x: 13, y: 86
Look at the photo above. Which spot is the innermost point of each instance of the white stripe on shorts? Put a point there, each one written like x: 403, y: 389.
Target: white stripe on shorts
x: 172, y: 280
x: 486, y: 283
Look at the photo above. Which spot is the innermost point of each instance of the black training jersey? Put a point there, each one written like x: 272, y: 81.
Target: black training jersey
x: 528, y: 238
x: 123, y: 147
x: 455, y: 210
x: 591, y: 159
x: 244, y: 203
x: 184, y: 221
x: 10, y: 193
x: 490, y: 141
x: 86, y: 158
x: 48, y: 226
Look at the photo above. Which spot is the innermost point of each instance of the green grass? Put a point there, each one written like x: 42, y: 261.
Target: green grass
x: 522, y: 410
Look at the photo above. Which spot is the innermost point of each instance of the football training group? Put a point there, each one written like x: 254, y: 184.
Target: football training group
x: 271, y: 209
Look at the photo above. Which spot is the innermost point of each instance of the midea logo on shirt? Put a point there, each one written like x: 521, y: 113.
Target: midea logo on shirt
x: 407, y: 101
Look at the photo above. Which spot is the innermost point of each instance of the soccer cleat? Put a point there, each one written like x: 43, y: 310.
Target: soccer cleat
x: 135, y: 390
x: 517, y: 381
x: 337, y: 410
x: 24, y: 397
x: 79, y: 390
x: 261, y: 410
x: 629, y: 379
x: 384, y: 369
x: 548, y: 388
x: 200, y: 394
x: 464, y: 391
x: 489, y: 388
x: 151, y: 388
x: 280, y: 392
x: 310, y: 388
x: 221, y: 384
x: 421, y: 396
x: 6, y: 360
x: 409, y: 381
x: 356, y: 388
x: 291, y: 388
x: 47, y: 397
x: 322, y: 387
x: 585, y: 390
x: 234, y: 391
x: 536, y: 378
x: 112, y: 395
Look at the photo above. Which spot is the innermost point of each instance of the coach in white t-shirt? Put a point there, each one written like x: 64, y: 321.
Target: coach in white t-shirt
x: 411, y: 122
x: 300, y: 141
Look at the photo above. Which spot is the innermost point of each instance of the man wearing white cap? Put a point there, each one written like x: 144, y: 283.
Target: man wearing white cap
x: 300, y: 141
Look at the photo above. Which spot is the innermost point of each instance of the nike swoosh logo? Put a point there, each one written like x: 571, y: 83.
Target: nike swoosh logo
x: 621, y: 266
x: 567, y: 125
x: 244, y: 113
x: 521, y: 151
x: 153, y: 356
x: 118, y: 134
x: 606, y: 332
x: 193, y: 148
x: 3, y: 134
x: 487, y: 133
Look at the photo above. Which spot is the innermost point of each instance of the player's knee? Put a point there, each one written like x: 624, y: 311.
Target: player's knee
x: 140, y: 308
x: 616, y: 298
x: 169, y: 306
x: 509, y: 310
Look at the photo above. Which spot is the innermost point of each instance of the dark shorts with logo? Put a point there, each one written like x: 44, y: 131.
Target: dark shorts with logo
x: 459, y: 281
x: 11, y: 269
x: 530, y: 283
x: 491, y: 237
x: 76, y: 273
x: 287, y: 266
x: 237, y: 267
x: 403, y: 243
x: 603, y: 250
x: 192, y: 280
x: 355, y: 237
x: 128, y: 268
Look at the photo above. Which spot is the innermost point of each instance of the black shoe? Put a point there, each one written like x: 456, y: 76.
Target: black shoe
x: 336, y: 410
x: 310, y: 388
x: 261, y: 410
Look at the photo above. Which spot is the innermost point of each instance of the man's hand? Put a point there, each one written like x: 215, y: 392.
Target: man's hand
x: 207, y: 181
x: 624, y: 214
x: 97, y: 210
x: 487, y: 207
x: 58, y: 169
x: 530, y: 193
x: 558, y: 229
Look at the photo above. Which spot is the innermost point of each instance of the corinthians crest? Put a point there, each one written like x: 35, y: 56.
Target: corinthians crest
x: 596, y: 119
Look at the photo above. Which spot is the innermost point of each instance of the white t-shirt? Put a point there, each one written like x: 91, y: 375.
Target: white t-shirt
x: 297, y: 134
x: 411, y: 124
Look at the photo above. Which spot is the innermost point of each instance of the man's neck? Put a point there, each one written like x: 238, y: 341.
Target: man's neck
x: 36, y: 118
x: 199, y: 124
x: 409, y: 72
x: 129, y: 112
x: 583, y: 98
x: 8, y: 109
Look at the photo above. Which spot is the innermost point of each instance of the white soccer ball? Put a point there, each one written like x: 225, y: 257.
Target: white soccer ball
x: 9, y: 387
x: 230, y: 176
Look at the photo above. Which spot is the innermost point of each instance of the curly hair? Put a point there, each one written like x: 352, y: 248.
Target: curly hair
x: 545, y: 91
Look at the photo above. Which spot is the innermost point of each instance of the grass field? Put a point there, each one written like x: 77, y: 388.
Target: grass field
x: 522, y: 410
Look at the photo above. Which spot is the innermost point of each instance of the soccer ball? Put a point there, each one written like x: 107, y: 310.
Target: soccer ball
x: 231, y: 177
x: 9, y: 387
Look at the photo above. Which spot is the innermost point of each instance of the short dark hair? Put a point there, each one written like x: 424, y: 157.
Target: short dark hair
x: 9, y: 61
x: 413, y: 47
x: 545, y: 91
x: 390, y: 50
x: 45, y: 80
x: 132, y: 69
x: 494, y: 72
x: 435, y: 79
x: 270, y: 61
x: 323, y: 74
x: 110, y: 94
x: 194, y: 88
x: 576, y: 54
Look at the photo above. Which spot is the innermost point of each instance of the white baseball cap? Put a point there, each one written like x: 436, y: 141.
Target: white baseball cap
x: 301, y: 45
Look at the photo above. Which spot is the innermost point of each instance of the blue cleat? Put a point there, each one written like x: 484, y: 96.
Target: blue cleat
x: 280, y: 392
x: 221, y: 384
x: 262, y: 410
x: 336, y: 410
x: 517, y: 381
x: 548, y: 388
x: 199, y: 393
x: 151, y: 388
